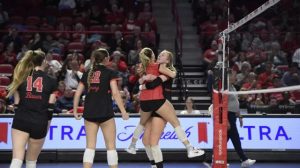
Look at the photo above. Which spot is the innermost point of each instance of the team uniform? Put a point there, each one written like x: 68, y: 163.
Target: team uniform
x: 32, y: 114
x: 98, y: 100
x: 167, y: 86
x: 152, y: 99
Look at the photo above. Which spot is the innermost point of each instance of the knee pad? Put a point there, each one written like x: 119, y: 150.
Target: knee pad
x: 30, y: 164
x: 16, y: 163
x: 149, y: 152
x: 112, y: 157
x: 138, y: 131
x: 157, y: 154
x: 89, y: 155
x: 180, y: 134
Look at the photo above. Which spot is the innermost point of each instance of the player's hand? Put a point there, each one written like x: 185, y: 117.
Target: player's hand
x: 76, y: 115
x: 241, y: 122
x: 125, y: 116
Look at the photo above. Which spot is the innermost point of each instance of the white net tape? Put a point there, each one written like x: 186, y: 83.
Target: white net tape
x: 250, y: 16
x: 273, y: 90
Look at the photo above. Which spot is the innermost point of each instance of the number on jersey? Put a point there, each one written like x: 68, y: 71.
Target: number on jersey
x: 37, y: 84
x: 96, y: 77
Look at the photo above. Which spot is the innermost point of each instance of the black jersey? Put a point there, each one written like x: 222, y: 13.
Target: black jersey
x: 34, y: 97
x: 98, y: 100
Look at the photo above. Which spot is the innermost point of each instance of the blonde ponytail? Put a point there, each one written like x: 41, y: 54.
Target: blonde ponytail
x: 145, y: 58
x: 23, y: 69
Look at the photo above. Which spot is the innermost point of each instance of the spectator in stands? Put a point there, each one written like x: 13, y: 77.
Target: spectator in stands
x: 133, y: 56
x: 199, y: 11
x: 9, y: 56
x: 65, y: 102
x: 210, y: 56
x: 238, y: 60
x: 54, y: 65
x: 276, y: 95
x: 244, y: 73
x: 130, y: 22
x: 50, y: 44
x: 96, y: 16
x: 66, y: 4
x: 3, y: 107
x: 36, y: 43
x: 189, y: 107
x: 291, y: 77
x: 266, y: 78
x: 82, y: 7
x: 127, y: 104
x: 119, y: 62
x: 13, y: 36
x: 22, y: 52
x: 117, y: 41
x: 296, y: 57
x: 277, y: 56
x: 114, y: 15
x: 79, y: 35
x: 247, y: 38
x: 73, y: 76
x: 63, y: 36
x: 3, y: 17
x: 60, y: 89
x: 289, y: 44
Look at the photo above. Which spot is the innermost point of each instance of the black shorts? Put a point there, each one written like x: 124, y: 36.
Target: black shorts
x: 155, y: 114
x: 35, y: 131
x: 151, y: 105
x: 99, y: 120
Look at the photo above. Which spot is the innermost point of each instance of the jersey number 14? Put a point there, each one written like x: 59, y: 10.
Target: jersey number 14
x: 37, y: 84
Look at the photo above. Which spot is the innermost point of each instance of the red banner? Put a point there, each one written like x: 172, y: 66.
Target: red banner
x: 220, y: 111
x: 202, y: 132
x: 3, y: 132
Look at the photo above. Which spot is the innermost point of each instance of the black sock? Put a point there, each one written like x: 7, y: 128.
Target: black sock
x: 159, y: 165
x: 152, y: 162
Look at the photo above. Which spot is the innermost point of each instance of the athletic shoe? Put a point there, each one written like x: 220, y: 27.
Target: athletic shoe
x: 194, y: 152
x: 153, y: 166
x: 131, y: 150
x: 248, y: 163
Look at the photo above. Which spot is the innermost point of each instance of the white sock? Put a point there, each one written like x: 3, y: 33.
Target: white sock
x: 16, y: 163
x: 149, y: 152
x: 30, y: 164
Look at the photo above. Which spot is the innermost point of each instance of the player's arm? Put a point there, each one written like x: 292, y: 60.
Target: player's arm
x: 117, y: 97
x: 166, y: 71
x: 76, y: 100
x: 156, y: 82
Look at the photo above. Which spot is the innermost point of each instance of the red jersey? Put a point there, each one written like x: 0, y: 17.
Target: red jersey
x: 156, y: 93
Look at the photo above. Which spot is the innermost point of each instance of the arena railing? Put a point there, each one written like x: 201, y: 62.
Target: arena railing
x: 181, y: 82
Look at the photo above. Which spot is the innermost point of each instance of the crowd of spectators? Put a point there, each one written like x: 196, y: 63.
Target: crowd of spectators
x: 68, y: 31
x: 264, y: 53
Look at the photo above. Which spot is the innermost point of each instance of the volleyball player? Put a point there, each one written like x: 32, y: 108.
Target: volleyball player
x: 153, y: 100
x: 33, y: 97
x: 100, y: 84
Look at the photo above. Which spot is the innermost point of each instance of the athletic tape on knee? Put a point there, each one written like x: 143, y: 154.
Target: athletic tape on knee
x: 149, y: 152
x: 180, y: 134
x: 16, y: 163
x: 138, y: 131
x: 88, y: 156
x: 112, y: 157
x: 157, y: 154
x: 30, y: 164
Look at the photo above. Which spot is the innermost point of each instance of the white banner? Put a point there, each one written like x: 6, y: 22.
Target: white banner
x: 257, y: 133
